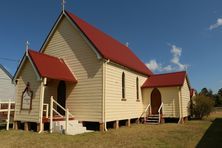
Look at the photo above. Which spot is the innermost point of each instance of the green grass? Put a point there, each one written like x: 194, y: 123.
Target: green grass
x: 169, y: 135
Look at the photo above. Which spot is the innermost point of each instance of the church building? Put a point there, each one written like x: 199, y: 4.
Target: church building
x: 88, y: 74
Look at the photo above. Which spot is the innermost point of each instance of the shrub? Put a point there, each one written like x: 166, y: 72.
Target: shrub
x: 201, y: 106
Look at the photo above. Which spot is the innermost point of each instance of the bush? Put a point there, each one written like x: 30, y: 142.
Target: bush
x: 201, y: 106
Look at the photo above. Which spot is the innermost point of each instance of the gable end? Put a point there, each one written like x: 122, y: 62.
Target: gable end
x: 75, y: 27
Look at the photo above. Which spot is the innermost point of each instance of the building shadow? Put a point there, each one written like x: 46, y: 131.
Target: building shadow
x: 213, y: 135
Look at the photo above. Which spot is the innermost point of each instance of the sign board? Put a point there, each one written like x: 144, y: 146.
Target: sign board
x: 26, y: 100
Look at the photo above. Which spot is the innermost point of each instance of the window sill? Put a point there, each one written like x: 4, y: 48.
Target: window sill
x: 123, y: 99
x: 137, y: 100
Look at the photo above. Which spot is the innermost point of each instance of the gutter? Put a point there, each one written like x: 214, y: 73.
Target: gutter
x: 180, y: 106
x: 104, y: 92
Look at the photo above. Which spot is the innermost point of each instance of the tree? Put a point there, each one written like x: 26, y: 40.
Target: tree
x: 218, y: 100
x: 202, y: 106
x: 220, y: 92
x: 204, y: 91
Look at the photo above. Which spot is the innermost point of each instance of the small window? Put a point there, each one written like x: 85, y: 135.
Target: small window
x: 123, y: 85
x: 137, y: 89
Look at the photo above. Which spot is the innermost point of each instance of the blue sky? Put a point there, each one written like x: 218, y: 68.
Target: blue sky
x: 166, y: 35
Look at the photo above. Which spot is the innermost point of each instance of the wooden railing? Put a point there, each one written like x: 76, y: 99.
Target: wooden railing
x: 145, y: 110
x: 159, y: 111
x: 53, y: 110
x: 7, y: 107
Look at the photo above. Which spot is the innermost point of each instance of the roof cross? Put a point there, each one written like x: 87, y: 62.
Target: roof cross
x: 63, y: 5
x: 27, y: 46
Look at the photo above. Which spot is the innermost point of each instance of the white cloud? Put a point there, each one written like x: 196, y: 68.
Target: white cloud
x: 168, y: 68
x: 153, y: 65
x: 217, y: 24
x: 176, y: 51
x: 175, y: 65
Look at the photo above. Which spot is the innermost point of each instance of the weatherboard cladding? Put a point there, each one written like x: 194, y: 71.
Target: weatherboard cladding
x: 115, y: 108
x: 7, y: 89
x: 6, y: 72
x: 170, y: 99
x: 84, y: 99
x: 185, y: 94
x: 26, y: 75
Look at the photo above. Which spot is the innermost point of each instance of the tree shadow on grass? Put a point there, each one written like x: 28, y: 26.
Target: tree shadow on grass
x: 213, y: 135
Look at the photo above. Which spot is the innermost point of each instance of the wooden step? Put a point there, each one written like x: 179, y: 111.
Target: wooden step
x: 152, y: 119
x: 154, y: 115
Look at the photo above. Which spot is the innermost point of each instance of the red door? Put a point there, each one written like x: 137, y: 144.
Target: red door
x: 155, y: 100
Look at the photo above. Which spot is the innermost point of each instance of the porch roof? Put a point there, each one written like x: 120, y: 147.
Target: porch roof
x: 165, y: 80
x: 51, y: 67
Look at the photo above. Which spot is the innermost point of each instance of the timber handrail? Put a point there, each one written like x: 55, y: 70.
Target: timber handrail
x: 59, y: 105
x: 145, y: 110
x: 67, y: 114
x: 8, y: 110
x: 159, y: 111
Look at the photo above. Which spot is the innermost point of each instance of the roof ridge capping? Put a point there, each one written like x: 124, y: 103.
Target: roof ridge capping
x: 170, y: 73
x: 108, y: 47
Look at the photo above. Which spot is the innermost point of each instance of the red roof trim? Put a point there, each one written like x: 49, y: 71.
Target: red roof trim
x: 109, y: 47
x: 166, y: 80
x: 45, y: 65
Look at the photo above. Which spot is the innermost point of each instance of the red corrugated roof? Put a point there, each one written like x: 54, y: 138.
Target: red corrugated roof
x: 110, y: 48
x: 165, y: 80
x: 51, y: 67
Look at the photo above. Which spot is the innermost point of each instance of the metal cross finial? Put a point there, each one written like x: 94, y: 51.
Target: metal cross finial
x: 63, y: 5
x: 27, y: 46
x: 127, y: 44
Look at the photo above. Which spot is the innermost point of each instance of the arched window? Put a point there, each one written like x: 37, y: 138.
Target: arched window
x: 123, y: 85
x: 137, y: 88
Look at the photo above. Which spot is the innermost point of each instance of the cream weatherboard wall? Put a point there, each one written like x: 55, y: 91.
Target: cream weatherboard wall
x: 7, y: 89
x: 27, y: 74
x: 50, y: 90
x: 170, y: 99
x: 185, y: 93
x: 84, y: 100
x: 115, y: 109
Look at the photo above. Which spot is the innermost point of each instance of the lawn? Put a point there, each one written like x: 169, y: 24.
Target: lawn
x: 205, y: 133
